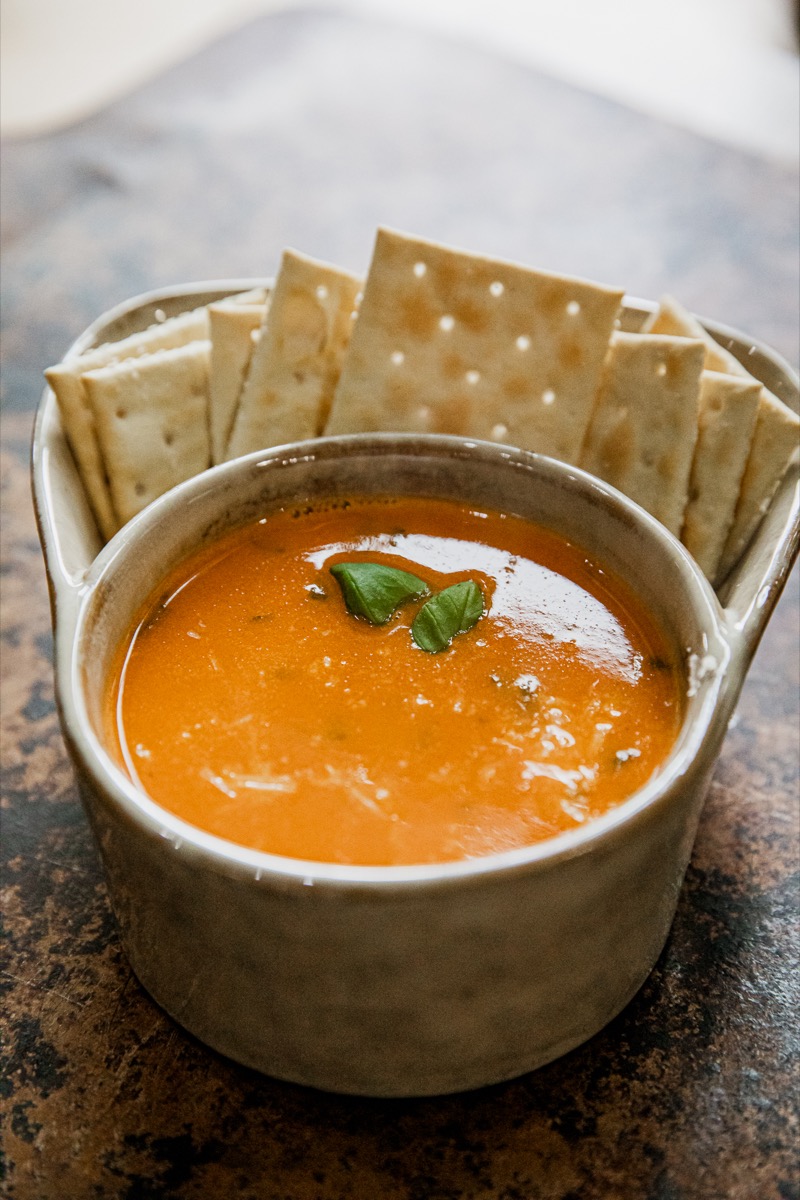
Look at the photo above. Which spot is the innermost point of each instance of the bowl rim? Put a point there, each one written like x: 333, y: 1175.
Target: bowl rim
x: 155, y: 820
x: 70, y: 594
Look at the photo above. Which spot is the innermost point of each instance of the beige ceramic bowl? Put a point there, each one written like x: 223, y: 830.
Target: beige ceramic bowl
x: 395, y: 981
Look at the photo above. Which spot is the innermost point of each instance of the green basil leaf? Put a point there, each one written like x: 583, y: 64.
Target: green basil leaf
x: 455, y: 610
x: 374, y: 591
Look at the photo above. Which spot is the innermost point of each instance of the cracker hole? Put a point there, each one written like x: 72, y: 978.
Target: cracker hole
x: 419, y: 269
x: 446, y: 322
x: 472, y: 377
x: 169, y: 438
x: 573, y: 308
x: 499, y: 433
x: 496, y: 288
x: 523, y: 342
x: 397, y: 357
x: 661, y: 369
x: 548, y: 396
x: 122, y: 413
x: 139, y: 489
x: 322, y: 292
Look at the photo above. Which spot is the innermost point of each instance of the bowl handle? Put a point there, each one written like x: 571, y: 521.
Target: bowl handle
x: 753, y: 588
x: 70, y: 546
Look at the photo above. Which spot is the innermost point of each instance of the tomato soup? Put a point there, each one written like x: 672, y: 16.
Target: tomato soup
x: 253, y: 703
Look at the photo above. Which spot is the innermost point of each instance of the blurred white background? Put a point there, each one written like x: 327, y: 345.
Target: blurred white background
x: 724, y: 68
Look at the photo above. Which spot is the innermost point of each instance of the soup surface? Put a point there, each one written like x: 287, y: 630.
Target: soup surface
x: 252, y: 703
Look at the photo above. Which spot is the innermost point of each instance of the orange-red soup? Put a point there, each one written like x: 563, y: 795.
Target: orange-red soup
x: 251, y: 703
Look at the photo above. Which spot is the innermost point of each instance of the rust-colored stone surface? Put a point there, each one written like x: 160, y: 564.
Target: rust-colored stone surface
x: 691, y: 1092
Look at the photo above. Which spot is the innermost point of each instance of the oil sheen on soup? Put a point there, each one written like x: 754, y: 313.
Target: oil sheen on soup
x: 250, y: 701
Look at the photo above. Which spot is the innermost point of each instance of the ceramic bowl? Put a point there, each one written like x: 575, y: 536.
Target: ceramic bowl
x: 414, y: 980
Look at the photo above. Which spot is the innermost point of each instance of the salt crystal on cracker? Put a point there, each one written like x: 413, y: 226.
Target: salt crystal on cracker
x: 451, y: 342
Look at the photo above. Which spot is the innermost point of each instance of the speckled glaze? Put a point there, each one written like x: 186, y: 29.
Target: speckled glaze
x: 409, y: 980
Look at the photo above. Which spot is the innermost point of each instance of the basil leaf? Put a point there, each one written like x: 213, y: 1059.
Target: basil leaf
x: 455, y: 610
x: 374, y: 591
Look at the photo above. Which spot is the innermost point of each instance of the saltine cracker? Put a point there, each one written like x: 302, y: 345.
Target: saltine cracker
x: 151, y: 416
x: 728, y: 408
x: 66, y: 380
x: 295, y: 366
x: 644, y: 425
x: 774, y: 440
x: 452, y: 342
x: 232, y: 327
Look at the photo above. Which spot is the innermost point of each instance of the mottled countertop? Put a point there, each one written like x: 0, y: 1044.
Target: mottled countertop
x: 308, y: 130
